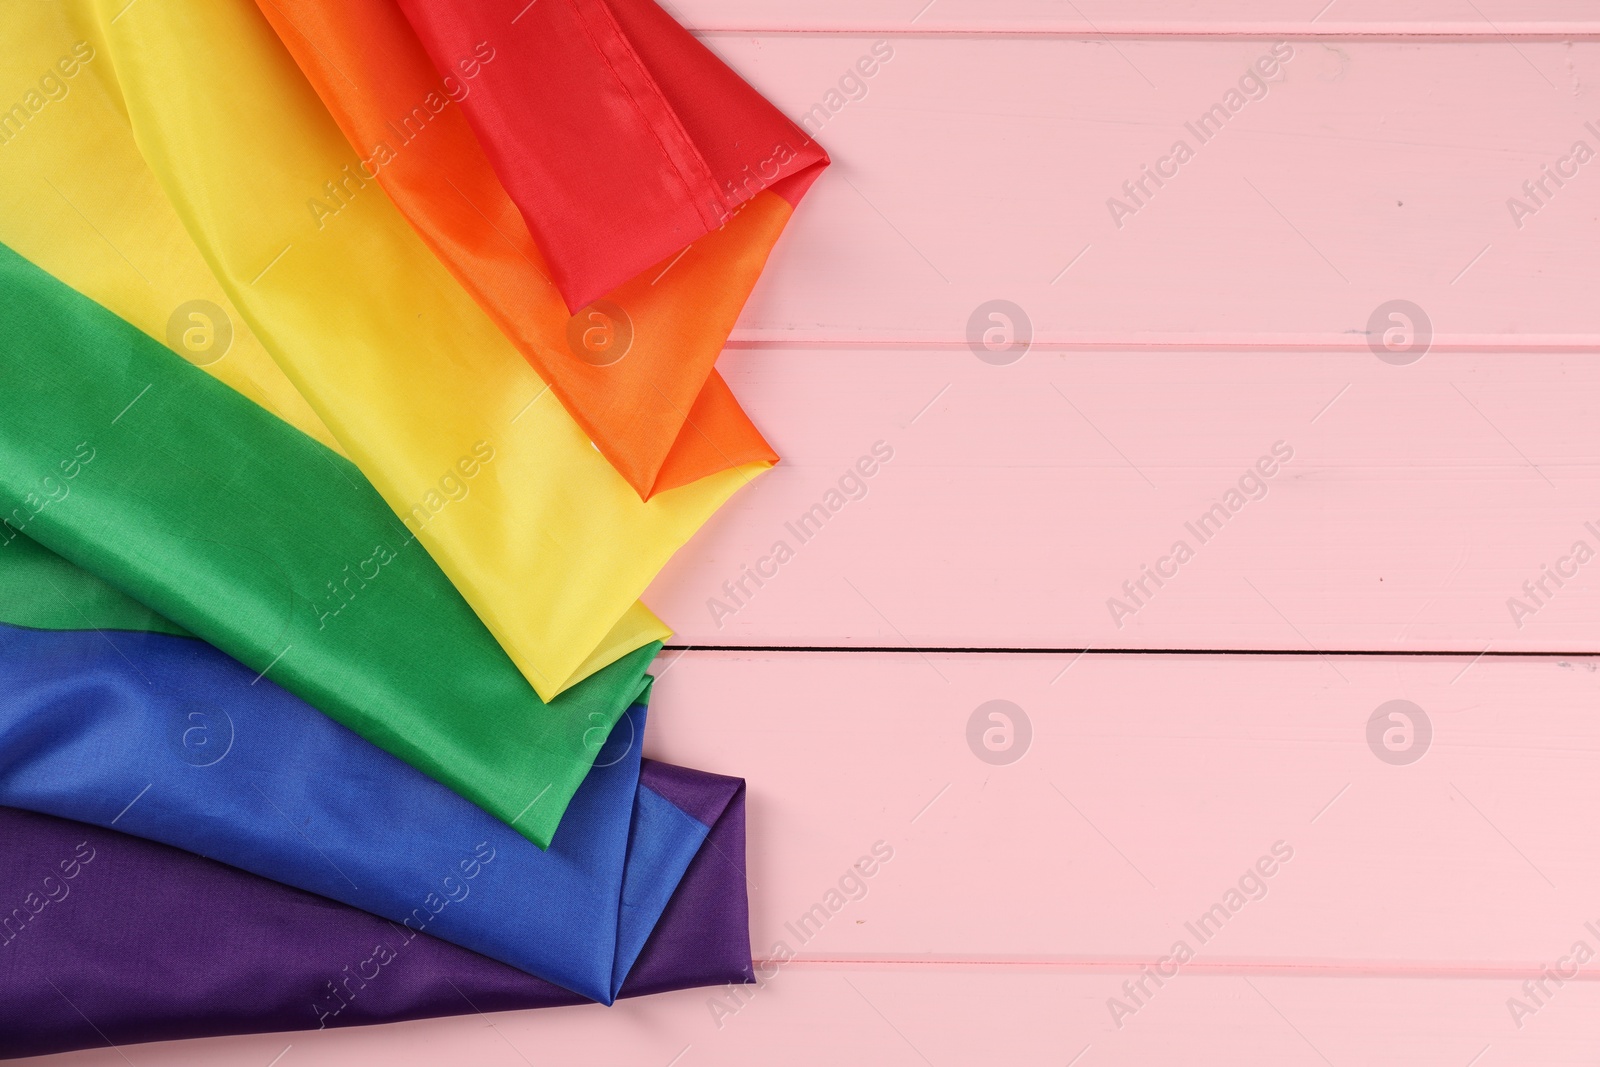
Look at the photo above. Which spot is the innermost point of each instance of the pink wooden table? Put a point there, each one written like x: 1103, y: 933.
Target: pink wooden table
x: 1209, y: 773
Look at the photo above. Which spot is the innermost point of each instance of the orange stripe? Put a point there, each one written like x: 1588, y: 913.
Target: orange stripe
x: 661, y: 415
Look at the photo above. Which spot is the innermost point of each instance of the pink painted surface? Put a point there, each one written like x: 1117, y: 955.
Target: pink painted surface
x: 1020, y: 498
x: 1226, y: 315
x: 979, y: 168
x: 1485, y: 18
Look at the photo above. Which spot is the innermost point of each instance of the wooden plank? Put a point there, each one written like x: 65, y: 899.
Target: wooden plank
x: 1020, y: 499
x: 1010, y: 914
x: 1487, y: 18
x: 899, y: 1018
x: 977, y: 169
x: 1146, y: 788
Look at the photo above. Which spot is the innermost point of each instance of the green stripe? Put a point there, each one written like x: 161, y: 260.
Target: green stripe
x: 145, y: 471
x: 39, y: 589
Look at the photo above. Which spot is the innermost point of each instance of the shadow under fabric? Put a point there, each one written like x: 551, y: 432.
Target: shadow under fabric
x: 550, y: 545
x: 199, y: 949
x: 654, y: 405
x: 150, y: 474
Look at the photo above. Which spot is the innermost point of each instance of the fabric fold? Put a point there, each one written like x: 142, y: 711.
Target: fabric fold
x: 165, y: 738
x: 78, y: 201
x: 620, y: 137
x: 637, y: 374
x: 188, y: 498
x: 548, y: 543
x: 117, y: 939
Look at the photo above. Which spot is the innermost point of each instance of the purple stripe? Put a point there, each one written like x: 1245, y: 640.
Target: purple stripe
x: 151, y: 943
x: 699, y: 794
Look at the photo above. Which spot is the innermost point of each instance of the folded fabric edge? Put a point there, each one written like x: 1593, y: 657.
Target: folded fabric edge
x: 639, y: 59
x: 172, y: 105
x: 62, y: 764
x: 86, y: 602
x: 544, y: 824
x: 324, y: 54
x: 662, y: 841
x: 81, y: 600
x: 674, y: 815
x: 638, y: 627
x: 695, y: 453
x: 634, y: 74
x: 688, y: 948
x: 37, y: 290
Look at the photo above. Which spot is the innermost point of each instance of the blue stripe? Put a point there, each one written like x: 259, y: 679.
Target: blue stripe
x: 166, y: 738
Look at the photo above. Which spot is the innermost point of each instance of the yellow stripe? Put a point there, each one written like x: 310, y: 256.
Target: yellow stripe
x: 77, y: 201
x: 549, y: 545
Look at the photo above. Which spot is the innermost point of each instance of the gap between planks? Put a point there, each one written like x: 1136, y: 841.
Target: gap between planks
x: 1492, y: 345
x: 1217, y: 967
x: 978, y: 650
x: 1409, y: 34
